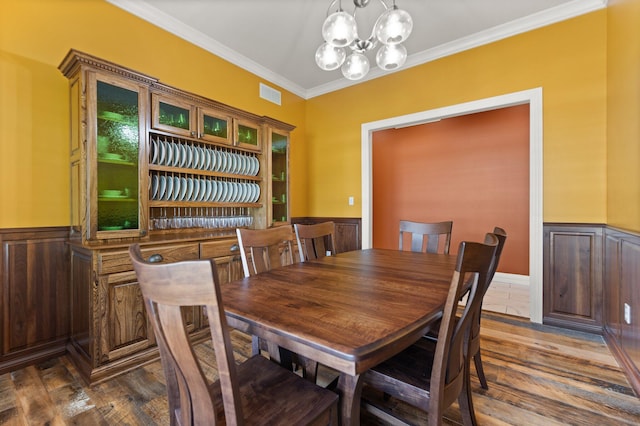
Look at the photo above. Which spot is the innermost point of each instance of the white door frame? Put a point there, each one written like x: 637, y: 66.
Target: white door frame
x: 533, y: 97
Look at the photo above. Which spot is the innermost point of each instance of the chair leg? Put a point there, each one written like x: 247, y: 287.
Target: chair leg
x: 255, y: 345
x: 309, y: 368
x: 465, y: 400
x: 286, y: 358
x: 477, y: 360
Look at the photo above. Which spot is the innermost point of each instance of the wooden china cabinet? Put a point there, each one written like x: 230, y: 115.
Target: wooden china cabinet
x: 278, y: 140
x: 170, y: 170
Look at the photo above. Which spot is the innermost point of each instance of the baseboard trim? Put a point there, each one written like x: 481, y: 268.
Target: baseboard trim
x: 503, y: 277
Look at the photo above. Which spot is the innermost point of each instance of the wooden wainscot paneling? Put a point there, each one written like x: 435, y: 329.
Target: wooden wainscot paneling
x: 348, y: 230
x: 573, y: 276
x: 34, y: 324
x: 622, y: 300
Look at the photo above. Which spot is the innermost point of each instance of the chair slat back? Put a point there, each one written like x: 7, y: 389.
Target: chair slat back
x: 501, y: 234
x: 166, y: 288
x: 472, y: 271
x: 315, y: 240
x: 264, y: 249
x: 431, y: 232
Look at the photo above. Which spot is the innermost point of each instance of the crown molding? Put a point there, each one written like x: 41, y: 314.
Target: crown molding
x: 547, y: 17
x: 168, y: 23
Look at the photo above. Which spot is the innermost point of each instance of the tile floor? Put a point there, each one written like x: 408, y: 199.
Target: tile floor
x: 507, y: 298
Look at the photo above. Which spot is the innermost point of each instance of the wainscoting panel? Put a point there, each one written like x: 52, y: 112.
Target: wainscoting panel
x: 348, y: 230
x: 573, y: 276
x: 34, y: 324
x: 622, y: 287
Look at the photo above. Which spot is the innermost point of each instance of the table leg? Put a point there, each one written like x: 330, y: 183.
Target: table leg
x: 350, y: 390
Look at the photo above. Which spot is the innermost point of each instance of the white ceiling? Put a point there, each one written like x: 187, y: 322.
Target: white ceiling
x: 277, y: 39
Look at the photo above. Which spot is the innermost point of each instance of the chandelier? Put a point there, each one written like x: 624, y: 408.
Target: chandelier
x: 340, y: 32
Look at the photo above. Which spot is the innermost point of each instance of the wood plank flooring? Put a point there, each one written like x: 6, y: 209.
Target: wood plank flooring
x: 537, y: 376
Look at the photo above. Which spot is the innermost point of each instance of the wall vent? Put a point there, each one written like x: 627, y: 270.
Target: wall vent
x: 270, y: 94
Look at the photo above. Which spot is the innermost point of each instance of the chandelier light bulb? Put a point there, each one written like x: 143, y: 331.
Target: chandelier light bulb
x: 393, y: 26
x: 356, y: 66
x: 329, y: 57
x: 391, y: 57
x: 339, y: 29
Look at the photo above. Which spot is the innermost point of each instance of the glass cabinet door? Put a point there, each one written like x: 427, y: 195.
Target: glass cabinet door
x: 214, y: 126
x: 247, y: 135
x: 116, y: 181
x: 173, y: 115
x: 279, y: 177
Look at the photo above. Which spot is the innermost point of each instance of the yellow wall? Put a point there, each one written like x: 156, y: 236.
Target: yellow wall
x: 568, y: 60
x: 35, y: 35
x: 623, y: 129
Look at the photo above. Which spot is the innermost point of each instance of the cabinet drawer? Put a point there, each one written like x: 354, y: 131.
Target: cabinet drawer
x: 220, y: 248
x: 119, y: 261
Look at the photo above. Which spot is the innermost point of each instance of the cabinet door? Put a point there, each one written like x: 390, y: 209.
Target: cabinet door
x: 124, y: 326
x: 279, y: 143
x: 247, y: 135
x: 229, y: 268
x: 214, y: 126
x: 173, y: 115
x: 116, y: 111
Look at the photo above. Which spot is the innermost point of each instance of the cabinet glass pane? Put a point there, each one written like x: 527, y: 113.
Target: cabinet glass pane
x: 117, y: 165
x: 171, y: 115
x: 279, y: 177
x: 215, y: 126
x: 248, y: 135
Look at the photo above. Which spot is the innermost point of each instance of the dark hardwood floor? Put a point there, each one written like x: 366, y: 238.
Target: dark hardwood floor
x: 537, y: 376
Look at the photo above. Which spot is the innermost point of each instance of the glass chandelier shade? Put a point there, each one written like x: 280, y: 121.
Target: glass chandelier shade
x: 356, y: 66
x: 391, y: 56
x: 394, y: 26
x: 340, y: 31
x: 329, y: 57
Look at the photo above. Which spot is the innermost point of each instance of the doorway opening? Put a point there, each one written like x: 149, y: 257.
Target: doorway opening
x: 531, y: 97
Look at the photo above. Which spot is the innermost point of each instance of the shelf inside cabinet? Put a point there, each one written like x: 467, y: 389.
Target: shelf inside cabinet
x: 116, y: 162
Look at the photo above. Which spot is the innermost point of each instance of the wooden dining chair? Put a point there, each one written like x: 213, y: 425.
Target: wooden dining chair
x: 432, y: 374
x: 431, y: 232
x: 256, y: 391
x: 262, y: 250
x: 265, y: 249
x: 474, y: 337
x: 316, y: 240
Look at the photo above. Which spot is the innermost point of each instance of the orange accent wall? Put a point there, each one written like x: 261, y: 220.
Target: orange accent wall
x: 472, y: 169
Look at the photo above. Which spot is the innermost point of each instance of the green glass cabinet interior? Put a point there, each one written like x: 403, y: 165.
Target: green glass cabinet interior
x: 247, y: 135
x: 115, y: 178
x: 173, y: 115
x: 182, y: 118
x: 279, y: 176
x: 214, y: 126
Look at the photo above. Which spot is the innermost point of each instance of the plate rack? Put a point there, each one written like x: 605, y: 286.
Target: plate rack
x: 195, y: 184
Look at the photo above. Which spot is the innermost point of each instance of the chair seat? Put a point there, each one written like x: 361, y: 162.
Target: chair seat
x: 272, y: 395
x: 402, y: 368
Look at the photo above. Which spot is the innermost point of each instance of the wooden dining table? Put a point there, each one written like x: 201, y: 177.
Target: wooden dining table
x: 348, y: 312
